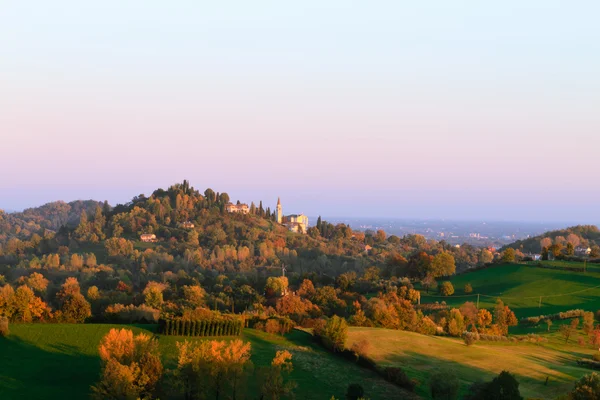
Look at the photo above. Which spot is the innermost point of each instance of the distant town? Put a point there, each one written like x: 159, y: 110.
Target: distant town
x: 481, y: 234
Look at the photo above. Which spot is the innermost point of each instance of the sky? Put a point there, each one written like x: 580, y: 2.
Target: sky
x: 400, y: 109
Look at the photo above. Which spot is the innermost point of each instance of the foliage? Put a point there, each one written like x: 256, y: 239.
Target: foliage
x: 587, y: 388
x: 446, y: 289
x: 131, y: 366
x: 4, y: 329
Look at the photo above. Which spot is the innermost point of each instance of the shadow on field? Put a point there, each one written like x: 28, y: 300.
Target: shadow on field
x: 28, y: 372
x: 422, y: 367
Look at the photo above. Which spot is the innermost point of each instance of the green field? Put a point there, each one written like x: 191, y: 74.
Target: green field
x: 54, y: 361
x: 420, y: 355
x: 520, y: 287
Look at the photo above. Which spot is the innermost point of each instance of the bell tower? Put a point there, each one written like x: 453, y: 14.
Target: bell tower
x: 279, y: 211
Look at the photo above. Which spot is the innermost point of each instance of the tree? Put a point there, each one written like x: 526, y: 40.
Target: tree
x: 444, y: 385
x: 588, y: 322
x: 153, y: 294
x: 28, y: 307
x: 566, y: 331
x: 468, y: 288
x: 75, y: 309
x: 380, y: 236
x: 508, y: 256
x: 504, y: 317
x: 274, y: 385
x: 446, y: 289
x: 587, y: 388
x: 276, y: 286
x: 502, y: 387
x: 548, y: 323
x: 335, y: 333
x: 213, y: 367
x: 443, y: 264
x: 4, y: 330
x: 131, y: 366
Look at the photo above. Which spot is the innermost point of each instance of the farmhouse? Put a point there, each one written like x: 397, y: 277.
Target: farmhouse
x: 148, y: 237
x: 237, y: 208
x: 187, y: 225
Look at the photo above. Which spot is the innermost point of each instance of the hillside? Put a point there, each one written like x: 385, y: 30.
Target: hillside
x: 47, y: 361
x: 420, y: 355
x: 520, y: 286
x: 580, y: 236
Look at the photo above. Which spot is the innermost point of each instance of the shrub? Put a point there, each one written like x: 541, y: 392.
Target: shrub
x: 446, y: 289
x: 468, y: 288
x: 444, y: 385
x: 469, y: 338
x: 361, y: 348
x: 4, y: 331
x: 397, y: 376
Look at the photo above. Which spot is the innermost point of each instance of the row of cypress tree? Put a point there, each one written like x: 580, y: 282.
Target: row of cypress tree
x: 208, y: 327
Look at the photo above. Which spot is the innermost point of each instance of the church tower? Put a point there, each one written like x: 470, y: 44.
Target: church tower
x: 279, y: 211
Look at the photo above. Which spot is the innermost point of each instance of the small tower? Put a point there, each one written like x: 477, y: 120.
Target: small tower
x: 279, y: 211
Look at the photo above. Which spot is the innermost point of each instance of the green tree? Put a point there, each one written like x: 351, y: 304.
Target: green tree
x: 335, y: 333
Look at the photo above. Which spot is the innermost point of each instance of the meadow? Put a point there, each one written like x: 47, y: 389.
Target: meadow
x: 520, y: 286
x: 45, y: 361
x: 420, y: 355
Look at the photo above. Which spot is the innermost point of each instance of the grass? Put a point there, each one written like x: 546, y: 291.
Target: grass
x: 520, y: 287
x: 420, y: 355
x: 51, y: 361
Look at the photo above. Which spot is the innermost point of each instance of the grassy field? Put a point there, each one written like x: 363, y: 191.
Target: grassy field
x: 520, y: 287
x: 420, y: 355
x: 54, y: 361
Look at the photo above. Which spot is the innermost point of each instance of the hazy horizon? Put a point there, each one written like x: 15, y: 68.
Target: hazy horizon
x: 466, y: 111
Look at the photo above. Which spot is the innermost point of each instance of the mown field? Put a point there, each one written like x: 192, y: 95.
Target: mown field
x: 57, y: 361
x: 520, y: 287
x: 420, y: 355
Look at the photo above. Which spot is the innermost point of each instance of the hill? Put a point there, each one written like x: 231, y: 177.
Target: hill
x: 578, y: 236
x: 420, y: 355
x: 520, y: 286
x: 47, y: 361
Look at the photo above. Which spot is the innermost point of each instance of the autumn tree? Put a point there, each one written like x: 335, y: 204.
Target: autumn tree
x: 276, y: 286
x: 153, y: 294
x: 446, y: 289
x: 275, y: 383
x: 131, y: 366
x: 443, y: 264
x: 509, y: 255
x: 74, y: 308
x: 215, y: 368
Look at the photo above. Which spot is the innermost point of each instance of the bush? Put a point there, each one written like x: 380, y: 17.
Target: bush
x: 469, y: 338
x: 361, y: 348
x: 468, y: 288
x: 4, y: 331
x: 446, y: 289
x: 444, y: 385
x: 397, y: 376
